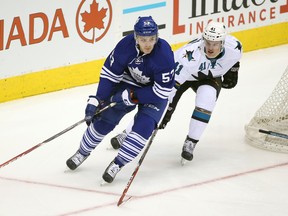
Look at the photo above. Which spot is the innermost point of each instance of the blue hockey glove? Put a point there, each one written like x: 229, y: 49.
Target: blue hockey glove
x: 124, y: 99
x: 93, y: 105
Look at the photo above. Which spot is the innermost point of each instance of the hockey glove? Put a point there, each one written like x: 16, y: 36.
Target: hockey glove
x: 91, y: 109
x: 166, y: 118
x: 124, y: 99
x: 231, y: 77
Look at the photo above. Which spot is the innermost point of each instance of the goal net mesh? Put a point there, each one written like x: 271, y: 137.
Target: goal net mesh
x: 272, y: 116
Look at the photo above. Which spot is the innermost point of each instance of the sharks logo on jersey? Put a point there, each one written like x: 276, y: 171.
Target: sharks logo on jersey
x: 189, y: 55
x: 239, y: 46
x: 138, y: 75
x: 201, y: 75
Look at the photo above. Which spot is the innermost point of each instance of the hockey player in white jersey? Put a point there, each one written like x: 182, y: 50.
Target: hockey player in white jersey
x: 205, y: 65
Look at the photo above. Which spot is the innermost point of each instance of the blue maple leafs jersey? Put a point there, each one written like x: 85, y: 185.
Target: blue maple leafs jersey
x: 151, y: 76
x: 192, y: 63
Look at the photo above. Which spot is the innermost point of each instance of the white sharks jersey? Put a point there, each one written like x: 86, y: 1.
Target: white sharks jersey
x: 192, y: 63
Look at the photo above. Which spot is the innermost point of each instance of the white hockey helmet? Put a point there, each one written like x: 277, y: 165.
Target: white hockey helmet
x: 215, y: 31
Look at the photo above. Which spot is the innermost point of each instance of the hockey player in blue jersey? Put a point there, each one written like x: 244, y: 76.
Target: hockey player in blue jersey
x: 139, y: 72
x: 206, y: 65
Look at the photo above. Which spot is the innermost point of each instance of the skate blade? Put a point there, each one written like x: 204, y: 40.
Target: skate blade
x: 68, y: 170
x: 123, y: 201
x: 103, y: 183
x: 110, y: 148
x: 183, y: 161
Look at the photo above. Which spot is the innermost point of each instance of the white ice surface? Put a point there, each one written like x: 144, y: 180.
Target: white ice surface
x: 227, y: 176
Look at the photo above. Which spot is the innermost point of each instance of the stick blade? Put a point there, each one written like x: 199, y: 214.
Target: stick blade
x: 122, y: 201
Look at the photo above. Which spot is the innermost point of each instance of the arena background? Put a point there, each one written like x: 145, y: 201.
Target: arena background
x: 49, y: 46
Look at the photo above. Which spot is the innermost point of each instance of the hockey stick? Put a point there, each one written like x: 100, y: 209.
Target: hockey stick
x: 121, y: 199
x: 53, y: 137
x: 272, y: 133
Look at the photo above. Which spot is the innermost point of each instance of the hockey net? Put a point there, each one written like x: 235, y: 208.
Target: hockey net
x: 272, y: 116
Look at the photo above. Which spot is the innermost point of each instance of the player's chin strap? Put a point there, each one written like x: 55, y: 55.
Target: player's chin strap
x: 53, y: 137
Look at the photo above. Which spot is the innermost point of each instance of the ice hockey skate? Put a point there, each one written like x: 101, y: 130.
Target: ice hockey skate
x: 117, y: 141
x: 111, y: 172
x: 76, y: 160
x: 187, y: 150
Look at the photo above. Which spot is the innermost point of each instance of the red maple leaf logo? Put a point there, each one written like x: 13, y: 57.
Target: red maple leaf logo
x: 94, y: 19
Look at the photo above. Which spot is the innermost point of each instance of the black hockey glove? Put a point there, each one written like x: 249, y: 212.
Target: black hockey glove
x: 166, y: 118
x: 230, y: 79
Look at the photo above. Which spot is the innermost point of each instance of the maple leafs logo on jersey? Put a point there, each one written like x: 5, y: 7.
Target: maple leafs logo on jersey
x: 189, y: 55
x: 137, y: 75
x: 202, y: 75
